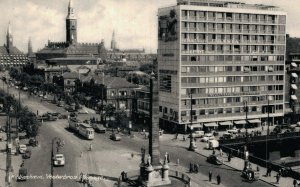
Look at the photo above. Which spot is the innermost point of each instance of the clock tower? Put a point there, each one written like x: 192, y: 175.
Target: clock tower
x: 9, y: 38
x: 71, y: 25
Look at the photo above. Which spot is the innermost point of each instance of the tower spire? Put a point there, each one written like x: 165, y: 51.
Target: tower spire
x: 71, y: 25
x: 9, y: 38
x: 29, y: 46
x: 71, y: 13
x: 113, y: 41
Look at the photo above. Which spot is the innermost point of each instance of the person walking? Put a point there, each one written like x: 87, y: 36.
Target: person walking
x: 218, y: 179
x: 191, y: 168
x: 209, y: 176
x: 229, y: 157
x: 295, y: 182
x: 221, y: 152
x: 277, y: 178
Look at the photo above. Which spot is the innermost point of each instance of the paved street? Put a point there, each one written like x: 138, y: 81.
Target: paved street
x: 39, y: 164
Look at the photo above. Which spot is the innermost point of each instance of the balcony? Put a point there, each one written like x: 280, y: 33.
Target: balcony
x: 250, y: 83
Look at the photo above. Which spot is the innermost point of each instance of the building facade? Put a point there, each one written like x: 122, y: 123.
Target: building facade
x: 223, y: 58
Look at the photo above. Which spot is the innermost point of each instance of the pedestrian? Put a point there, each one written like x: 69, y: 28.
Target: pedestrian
x: 229, y: 157
x: 277, y: 178
x: 195, y: 168
x: 81, y: 154
x: 198, y: 167
x: 257, y: 168
x: 81, y: 177
x: 132, y: 155
x: 183, y: 138
x: 191, y: 168
x: 218, y: 179
x: 209, y: 176
x: 238, y: 153
x: 221, y: 152
x: 177, y: 161
x: 168, y: 157
x: 295, y: 182
x: 214, y: 152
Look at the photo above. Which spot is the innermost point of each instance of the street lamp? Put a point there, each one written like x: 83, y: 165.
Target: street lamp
x: 246, y: 110
x: 192, y: 146
x: 268, y: 110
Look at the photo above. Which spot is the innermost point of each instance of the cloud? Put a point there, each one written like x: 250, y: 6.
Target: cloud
x: 135, y: 21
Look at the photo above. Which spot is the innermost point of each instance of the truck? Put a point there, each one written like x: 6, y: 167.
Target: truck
x: 86, y: 131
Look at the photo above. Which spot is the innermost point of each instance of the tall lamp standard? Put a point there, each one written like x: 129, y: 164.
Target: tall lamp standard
x: 268, y: 130
x: 246, y: 153
x: 193, y: 146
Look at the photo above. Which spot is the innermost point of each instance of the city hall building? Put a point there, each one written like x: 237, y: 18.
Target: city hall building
x: 219, y: 61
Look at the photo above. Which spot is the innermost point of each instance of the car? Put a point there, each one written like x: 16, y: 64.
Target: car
x: 17, y: 87
x: 198, y: 134
x: 213, y: 159
x: 33, y: 142
x: 22, y: 148
x: 22, y: 174
x: 59, y: 160
x: 45, y: 97
x: 115, y: 137
x: 25, y: 88
x: 82, y: 111
x: 27, y: 154
x: 234, y: 130
x: 207, y: 136
x: 99, y: 128
x: 226, y: 136
x: 41, y: 95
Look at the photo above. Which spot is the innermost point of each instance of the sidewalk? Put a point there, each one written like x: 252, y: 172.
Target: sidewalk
x: 236, y: 163
x: 15, y: 160
x: 117, y: 161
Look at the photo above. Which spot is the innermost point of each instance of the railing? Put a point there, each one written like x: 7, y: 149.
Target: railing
x: 259, y: 138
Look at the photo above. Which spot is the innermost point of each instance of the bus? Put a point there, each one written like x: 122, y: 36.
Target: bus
x: 86, y: 131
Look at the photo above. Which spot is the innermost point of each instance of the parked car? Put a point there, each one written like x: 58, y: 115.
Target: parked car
x: 45, y: 97
x: 99, y: 128
x: 207, y: 136
x: 27, y: 154
x: 22, y: 148
x: 198, y: 134
x: 33, y: 142
x: 115, y: 137
x: 234, y: 130
x: 213, y: 159
x: 25, y: 88
x: 59, y: 160
x: 22, y: 174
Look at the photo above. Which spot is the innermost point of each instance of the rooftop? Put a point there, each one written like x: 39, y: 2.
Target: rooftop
x: 228, y: 4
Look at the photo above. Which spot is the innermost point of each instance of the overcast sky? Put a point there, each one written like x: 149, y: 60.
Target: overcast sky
x: 135, y: 21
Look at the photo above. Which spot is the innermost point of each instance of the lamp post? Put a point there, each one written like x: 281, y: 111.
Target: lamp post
x: 246, y: 110
x: 268, y: 110
x: 192, y: 146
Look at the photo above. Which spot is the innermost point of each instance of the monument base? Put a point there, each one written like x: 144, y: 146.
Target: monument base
x: 155, y: 177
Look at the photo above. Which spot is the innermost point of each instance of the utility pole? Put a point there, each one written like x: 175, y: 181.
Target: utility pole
x: 193, y: 146
x: 9, y: 168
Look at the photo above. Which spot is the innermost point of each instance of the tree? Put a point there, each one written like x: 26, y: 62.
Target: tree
x: 109, y: 110
x: 13, y: 73
x: 28, y: 122
x: 121, y: 118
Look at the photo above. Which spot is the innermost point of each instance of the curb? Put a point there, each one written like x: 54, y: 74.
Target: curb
x: 237, y: 169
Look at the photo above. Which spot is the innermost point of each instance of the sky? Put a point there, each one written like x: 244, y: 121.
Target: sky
x: 134, y: 21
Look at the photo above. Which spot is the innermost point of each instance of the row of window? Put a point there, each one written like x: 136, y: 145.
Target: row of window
x: 233, y: 79
x: 227, y: 100
x: 232, y: 89
x: 215, y: 69
x: 234, y: 37
x: 233, y: 16
x: 264, y: 109
x: 222, y: 27
x: 229, y: 48
x: 221, y: 58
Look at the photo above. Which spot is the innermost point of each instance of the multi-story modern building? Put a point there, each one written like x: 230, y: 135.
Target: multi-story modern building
x: 222, y: 58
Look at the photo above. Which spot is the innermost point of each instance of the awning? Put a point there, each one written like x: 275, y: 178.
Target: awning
x: 254, y: 121
x: 226, y: 123
x: 210, y: 124
x: 241, y: 122
x: 197, y: 126
x: 294, y: 75
x: 294, y: 86
x: 294, y: 64
x: 294, y: 97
